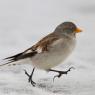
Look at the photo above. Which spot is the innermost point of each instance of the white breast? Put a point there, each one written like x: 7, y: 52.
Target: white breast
x: 57, y: 53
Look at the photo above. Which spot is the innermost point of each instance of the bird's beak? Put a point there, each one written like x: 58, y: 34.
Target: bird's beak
x: 78, y: 30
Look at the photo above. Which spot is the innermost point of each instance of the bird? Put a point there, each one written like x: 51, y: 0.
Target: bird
x: 50, y: 51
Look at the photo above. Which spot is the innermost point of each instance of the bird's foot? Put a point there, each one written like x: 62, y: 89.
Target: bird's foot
x: 61, y: 72
x: 30, y: 78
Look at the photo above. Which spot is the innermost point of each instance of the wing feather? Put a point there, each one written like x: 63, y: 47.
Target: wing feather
x: 40, y: 47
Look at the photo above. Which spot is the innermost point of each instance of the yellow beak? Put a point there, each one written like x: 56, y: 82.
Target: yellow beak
x: 78, y: 30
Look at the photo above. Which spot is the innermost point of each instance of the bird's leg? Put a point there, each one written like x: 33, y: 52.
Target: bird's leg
x: 30, y: 77
x: 60, y: 72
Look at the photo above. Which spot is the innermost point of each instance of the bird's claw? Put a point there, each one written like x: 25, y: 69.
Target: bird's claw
x: 30, y: 80
x: 69, y: 69
x: 33, y: 83
x: 55, y: 77
x: 59, y: 75
x: 62, y: 72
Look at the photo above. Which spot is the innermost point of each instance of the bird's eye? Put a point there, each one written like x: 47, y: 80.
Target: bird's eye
x: 69, y: 31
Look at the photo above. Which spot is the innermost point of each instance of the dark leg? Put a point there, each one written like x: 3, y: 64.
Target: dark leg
x: 30, y: 77
x: 60, y: 72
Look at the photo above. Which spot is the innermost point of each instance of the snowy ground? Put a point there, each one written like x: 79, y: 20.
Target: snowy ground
x: 23, y: 22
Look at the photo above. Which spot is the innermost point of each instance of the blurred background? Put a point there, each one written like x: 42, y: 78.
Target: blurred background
x: 24, y: 22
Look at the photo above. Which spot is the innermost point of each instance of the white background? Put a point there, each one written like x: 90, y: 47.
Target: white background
x: 24, y: 22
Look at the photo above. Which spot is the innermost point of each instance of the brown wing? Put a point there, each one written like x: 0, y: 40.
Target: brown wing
x: 44, y: 43
x: 41, y: 46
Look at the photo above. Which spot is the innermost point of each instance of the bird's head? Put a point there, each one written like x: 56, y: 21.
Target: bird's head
x: 68, y: 28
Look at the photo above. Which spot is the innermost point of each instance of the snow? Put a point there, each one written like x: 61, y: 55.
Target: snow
x: 23, y: 23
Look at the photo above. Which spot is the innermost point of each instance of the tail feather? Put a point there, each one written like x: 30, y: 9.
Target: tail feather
x: 14, y: 56
x: 18, y: 57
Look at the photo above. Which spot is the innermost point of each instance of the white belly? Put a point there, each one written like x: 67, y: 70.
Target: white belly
x: 57, y: 54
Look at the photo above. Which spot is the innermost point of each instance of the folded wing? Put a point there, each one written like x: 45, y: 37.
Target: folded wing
x: 40, y: 47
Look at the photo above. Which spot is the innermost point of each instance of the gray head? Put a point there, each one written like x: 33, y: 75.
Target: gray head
x: 67, y: 28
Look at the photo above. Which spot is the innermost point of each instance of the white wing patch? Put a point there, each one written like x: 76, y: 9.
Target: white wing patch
x: 39, y: 49
x: 28, y: 51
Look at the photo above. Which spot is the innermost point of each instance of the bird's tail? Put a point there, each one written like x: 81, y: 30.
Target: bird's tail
x: 18, y: 57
